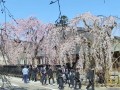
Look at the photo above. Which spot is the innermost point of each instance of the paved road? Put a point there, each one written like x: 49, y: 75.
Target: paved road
x: 17, y: 82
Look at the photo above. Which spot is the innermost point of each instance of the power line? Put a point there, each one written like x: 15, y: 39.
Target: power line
x: 5, y: 10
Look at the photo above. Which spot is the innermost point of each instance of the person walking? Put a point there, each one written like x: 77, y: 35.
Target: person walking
x: 101, y: 78
x: 35, y: 71
x: 44, y: 75
x: 66, y: 75
x: 30, y: 72
x: 25, y: 72
x: 90, y: 75
x: 50, y: 74
x: 71, y: 78
x: 60, y: 80
x: 77, y: 79
x: 57, y: 73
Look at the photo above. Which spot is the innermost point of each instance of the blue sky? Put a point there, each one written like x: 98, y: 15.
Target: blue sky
x: 49, y: 13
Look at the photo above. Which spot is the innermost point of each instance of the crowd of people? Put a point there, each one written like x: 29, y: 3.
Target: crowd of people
x: 62, y: 76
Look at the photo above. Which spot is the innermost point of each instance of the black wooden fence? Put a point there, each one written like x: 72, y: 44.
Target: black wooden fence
x: 12, y: 70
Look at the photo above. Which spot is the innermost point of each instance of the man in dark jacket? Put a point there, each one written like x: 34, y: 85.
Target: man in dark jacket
x: 77, y: 79
x: 50, y: 74
x: 90, y: 75
x: 60, y: 80
x: 30, y: 72
x: 35, y: 70
x: 71, y: 78
x: 44, y: 75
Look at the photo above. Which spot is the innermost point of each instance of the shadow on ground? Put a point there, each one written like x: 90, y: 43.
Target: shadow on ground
x: 43, y: 89
x: 20, y: 88
x: 14, y: 88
